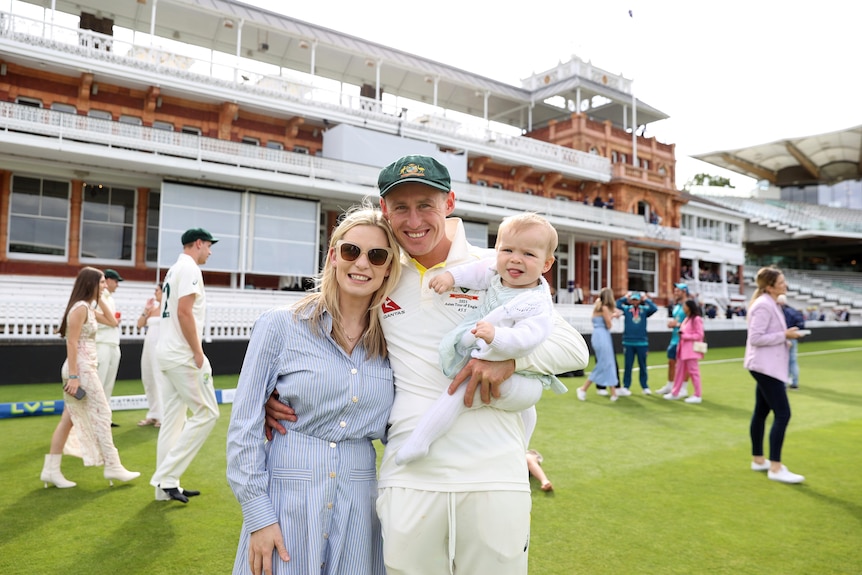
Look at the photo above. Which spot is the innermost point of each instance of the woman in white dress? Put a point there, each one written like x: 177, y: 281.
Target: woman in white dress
x: 85, y: 426
x: 151, y: 374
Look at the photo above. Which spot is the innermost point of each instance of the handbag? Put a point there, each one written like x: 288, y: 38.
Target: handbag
x: 700, y: 346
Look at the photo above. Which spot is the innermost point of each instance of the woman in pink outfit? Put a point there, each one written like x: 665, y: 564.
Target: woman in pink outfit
x: 690, y: 331
x: 767, y: 357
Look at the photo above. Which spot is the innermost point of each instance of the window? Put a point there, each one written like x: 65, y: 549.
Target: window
x: 108, y: 222
x: 618, y: 157
x: 166, y: 126
x: 153, y: 203
x: 529, y: 191
x: 65, y: 108
x: 643, y: 271
x: 38, y: 216
x: 731, y: 233
x: 482, y: 183
x: 497, y: 186
x: 32, y: 102
x: 687, y: 227
x: 274, y: 145
x: 250, y: 141
x: 131, y: 120
x: 100, y: 114
x: 193, y: 130
x: 595, y: 268
x: 300, y: 149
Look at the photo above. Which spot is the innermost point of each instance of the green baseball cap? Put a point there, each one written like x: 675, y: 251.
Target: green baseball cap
x: 422, y: 169
x: 112, y: 275
x: 195, y: 234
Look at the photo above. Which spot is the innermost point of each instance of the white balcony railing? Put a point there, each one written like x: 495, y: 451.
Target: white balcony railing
x: 72, y: 127
x: 283, y: 89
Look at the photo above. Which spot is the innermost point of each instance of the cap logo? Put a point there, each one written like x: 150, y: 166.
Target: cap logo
x: 411, y: 170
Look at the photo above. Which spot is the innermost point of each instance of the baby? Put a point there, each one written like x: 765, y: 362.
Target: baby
x: 514, y: 318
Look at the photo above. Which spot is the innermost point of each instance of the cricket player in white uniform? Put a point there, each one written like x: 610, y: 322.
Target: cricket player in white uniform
x: 188, y: 384
x: 465, y: 507
x: 108, y: 338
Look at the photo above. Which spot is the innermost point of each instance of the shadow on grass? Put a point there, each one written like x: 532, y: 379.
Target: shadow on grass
x: 140, y: 540
x: 829, y: 394
x: 853, y: 509
x: 134, y: 436
x: 40, y: 507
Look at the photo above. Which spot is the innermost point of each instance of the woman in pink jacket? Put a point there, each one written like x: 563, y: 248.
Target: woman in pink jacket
x: 766, y: 357
x: 690, y: 331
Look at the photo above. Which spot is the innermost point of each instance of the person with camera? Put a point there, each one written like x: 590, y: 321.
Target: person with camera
x: 636, y: 308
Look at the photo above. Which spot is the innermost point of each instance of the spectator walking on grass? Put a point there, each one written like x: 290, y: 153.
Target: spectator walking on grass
x: 678, y: 315
x: 84, y: 429
x: 690, y: 331
x: 767, y: 358
x: 605, y: 372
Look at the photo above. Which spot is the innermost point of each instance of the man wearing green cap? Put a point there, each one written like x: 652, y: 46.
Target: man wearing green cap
x: 465, y: 507
x: 188, y: 384
x: 472, y: 489
x: 108, y: 338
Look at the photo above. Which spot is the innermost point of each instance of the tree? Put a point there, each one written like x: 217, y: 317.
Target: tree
x: 707, y: 180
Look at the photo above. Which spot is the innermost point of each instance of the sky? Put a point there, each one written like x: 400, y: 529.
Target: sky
x: 729, y: 74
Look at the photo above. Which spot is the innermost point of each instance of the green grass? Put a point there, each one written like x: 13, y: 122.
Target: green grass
x: 642, y: 486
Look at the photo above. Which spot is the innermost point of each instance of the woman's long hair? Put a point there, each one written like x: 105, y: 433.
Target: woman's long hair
x: 765, y: 278
x: 325, y: 297
x: 693, y: 309
x: 86, y: 288
x: 605, y: 299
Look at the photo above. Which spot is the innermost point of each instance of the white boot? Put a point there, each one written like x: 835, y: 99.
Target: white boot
x: 120, y: 473
x: 114, y: 469
x: 51, y: 472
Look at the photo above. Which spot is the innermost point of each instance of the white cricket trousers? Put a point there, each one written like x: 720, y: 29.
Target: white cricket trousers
x: 108, y: 360
x: 184, y: 388
x: 441, y: 533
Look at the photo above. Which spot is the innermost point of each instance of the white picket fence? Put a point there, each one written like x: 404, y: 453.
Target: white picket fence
x: 31, y: 308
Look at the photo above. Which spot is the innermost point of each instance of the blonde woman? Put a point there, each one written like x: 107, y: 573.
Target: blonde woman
x: 767, y: 356
x: 326, y: 358
x: 605, y: 372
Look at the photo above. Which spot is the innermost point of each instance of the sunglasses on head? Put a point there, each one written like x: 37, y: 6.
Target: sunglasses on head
x: 350, y: 252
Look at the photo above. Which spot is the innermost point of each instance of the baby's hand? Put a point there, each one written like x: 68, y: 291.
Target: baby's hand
x: 443, y: 282
x: 484, y: 331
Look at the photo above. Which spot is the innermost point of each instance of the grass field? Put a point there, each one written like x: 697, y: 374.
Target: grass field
x: 643, y: 486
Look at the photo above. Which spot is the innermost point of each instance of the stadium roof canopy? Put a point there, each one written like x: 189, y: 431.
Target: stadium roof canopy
x: 818, y: 159
x: 262, y: 35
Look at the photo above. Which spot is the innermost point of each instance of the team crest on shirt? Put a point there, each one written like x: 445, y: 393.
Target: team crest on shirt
x: 390, y: 308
